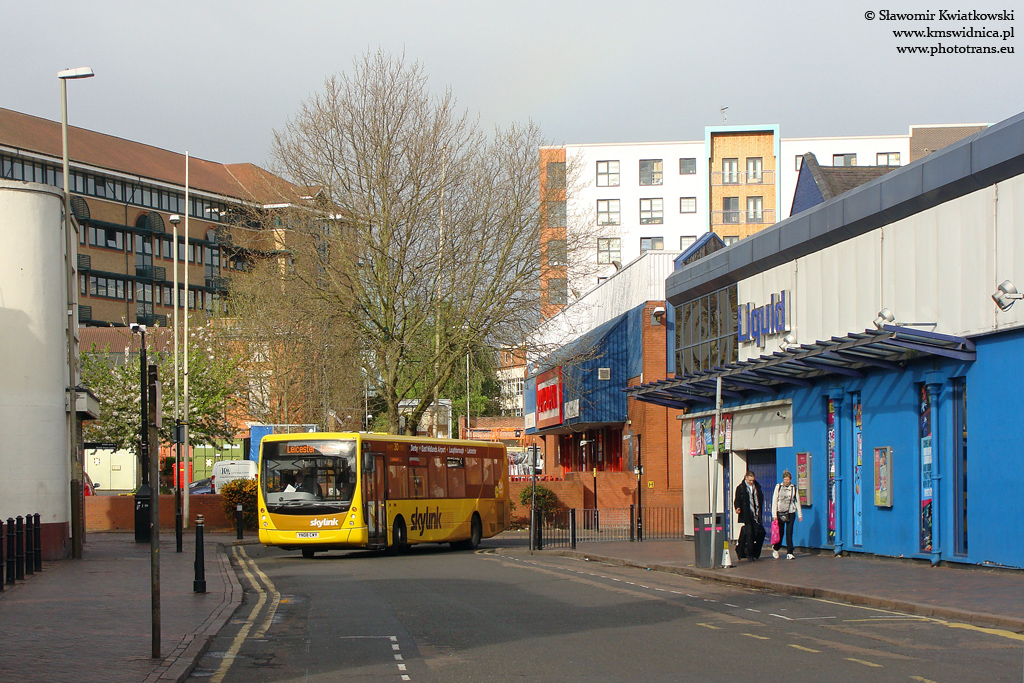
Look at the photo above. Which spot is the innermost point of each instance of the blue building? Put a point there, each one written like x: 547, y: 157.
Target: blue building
x: 858, y: 344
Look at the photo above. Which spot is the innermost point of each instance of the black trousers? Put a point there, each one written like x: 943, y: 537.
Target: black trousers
x: 786, y: 531
x: 751, y: 540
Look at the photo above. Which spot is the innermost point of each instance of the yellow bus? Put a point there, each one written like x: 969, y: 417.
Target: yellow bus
x: 334, y: 490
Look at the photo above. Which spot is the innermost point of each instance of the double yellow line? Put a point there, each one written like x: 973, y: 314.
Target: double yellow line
x: 249, y: 568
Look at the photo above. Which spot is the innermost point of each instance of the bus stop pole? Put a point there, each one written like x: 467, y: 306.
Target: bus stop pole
x: 714, y: 478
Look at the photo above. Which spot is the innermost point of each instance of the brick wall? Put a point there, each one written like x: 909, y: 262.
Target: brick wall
x: 117, y: 513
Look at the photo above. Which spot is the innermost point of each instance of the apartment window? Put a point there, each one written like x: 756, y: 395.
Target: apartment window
x: 648, y: 243
x: 844, y: 159
x: 558, y: 292
x: 754, y: 165
x: 608, y: 174
x: 755, y: 209
x: 686, y: 241
x: 109, y: 288
x: 687, y: 205
x: 730, y: 171
x: 608, y: 249
x: 556, y: 214
x: 608, y: 212
x: 557, y: 252
x: 651, y: 212
x: 730, y: 239
x: 887, y: 159
x: 650, y: 171
x: 105, y: 237
x: 730, y: 209
x: 556, y: 175
x: 687, y: 166
x: 799, y: 162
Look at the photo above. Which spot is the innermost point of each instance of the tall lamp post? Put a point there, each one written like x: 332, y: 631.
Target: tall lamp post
x: 178, y: 474
x: 71, y: 251
x: 143, y: 497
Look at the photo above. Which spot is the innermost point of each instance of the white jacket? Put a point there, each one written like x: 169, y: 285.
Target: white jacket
x: 794, y: 506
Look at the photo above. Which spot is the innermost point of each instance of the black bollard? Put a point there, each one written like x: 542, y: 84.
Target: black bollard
x: 38, y: 543
x: 19, y: 566
x: 238, y: 521
x: 199, y: 585
x: 10, y: 550
x: 1, y: 557
x: 30, y: 548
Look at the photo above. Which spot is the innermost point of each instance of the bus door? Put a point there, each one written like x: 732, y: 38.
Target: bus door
x: 375, y: 490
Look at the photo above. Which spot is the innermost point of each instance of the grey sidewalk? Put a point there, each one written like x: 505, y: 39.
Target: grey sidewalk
x: 91, y: 619
x: 975, y: 595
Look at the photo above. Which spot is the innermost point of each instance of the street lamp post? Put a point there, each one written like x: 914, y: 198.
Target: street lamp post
x: 71, y: 250
x: 143, y: 497
x: 178, y: 474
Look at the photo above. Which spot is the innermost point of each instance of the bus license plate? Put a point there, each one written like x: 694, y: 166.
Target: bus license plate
x: 308, y: 534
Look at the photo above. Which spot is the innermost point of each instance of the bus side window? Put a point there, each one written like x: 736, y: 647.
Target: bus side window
x: 418, y: 482
x: 456, y: 480
x: 474, y: 477
x: 397, y: 482
x: 490, y: 464
x: 438, y: 478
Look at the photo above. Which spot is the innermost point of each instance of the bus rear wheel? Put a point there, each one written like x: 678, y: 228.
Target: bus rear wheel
x: 399, y: 536
x: 476, y: 532
x: 308, y: 553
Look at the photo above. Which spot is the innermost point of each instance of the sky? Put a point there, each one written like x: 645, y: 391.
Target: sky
x: 216, y: 78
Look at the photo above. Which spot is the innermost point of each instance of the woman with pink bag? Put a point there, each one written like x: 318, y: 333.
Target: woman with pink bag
x: 785, y: 504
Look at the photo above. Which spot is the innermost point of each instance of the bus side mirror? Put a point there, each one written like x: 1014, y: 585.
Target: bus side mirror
x: 367, y: 462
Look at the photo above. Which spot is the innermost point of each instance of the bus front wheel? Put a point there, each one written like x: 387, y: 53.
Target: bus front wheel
x: 399, y: 536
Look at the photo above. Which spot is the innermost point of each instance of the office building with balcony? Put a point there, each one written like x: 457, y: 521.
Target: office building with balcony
x: 123, y: 196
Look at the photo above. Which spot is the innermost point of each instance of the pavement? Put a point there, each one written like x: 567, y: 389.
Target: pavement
x: 91, y: 619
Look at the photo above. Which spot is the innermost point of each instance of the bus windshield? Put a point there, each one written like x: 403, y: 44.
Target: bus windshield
x: 308, y: 477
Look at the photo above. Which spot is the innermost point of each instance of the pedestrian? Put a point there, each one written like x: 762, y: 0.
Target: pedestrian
x: 786, y: 506
x: 749, y: 502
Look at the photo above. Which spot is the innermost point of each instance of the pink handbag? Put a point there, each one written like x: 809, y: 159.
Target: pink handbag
x: 776, y: 536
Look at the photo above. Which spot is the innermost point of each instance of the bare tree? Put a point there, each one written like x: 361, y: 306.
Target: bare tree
x: 298, y: 361
x: 425, y: 236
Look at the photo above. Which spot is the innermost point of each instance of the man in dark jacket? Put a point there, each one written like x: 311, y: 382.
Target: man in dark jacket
x: 749, y: 502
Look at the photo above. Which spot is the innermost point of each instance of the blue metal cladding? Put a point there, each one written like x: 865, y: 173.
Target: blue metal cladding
x: 891, y: 412
x: 601, y: 400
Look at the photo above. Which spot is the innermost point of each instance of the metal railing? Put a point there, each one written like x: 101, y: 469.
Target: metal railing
x: 567, y: 528
x: 740, y: 217
x: 742, y: 178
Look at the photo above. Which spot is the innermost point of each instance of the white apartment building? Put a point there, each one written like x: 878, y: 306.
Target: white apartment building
x: 634, y: 197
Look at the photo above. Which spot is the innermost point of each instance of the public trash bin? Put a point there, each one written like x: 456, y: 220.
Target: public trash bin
x: 704, y: 541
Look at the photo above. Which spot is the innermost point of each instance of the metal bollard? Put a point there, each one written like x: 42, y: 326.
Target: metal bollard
x: 199, y: 584
x: 38, y: 543
x: 238, y: 521
x: 632, y: 523
x: 19, y: 533
x: 1, y: 556
x: 572, y: 528
x: 10, y: 550
x: 30, y: 548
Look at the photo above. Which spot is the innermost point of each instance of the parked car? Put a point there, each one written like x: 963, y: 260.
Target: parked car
x: 88, y: 487
x: 201, y: 486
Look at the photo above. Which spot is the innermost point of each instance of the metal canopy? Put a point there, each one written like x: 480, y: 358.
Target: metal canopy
x: 889, y: 348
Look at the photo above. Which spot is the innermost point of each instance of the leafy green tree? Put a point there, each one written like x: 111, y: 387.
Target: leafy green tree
x: 214, y: 382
